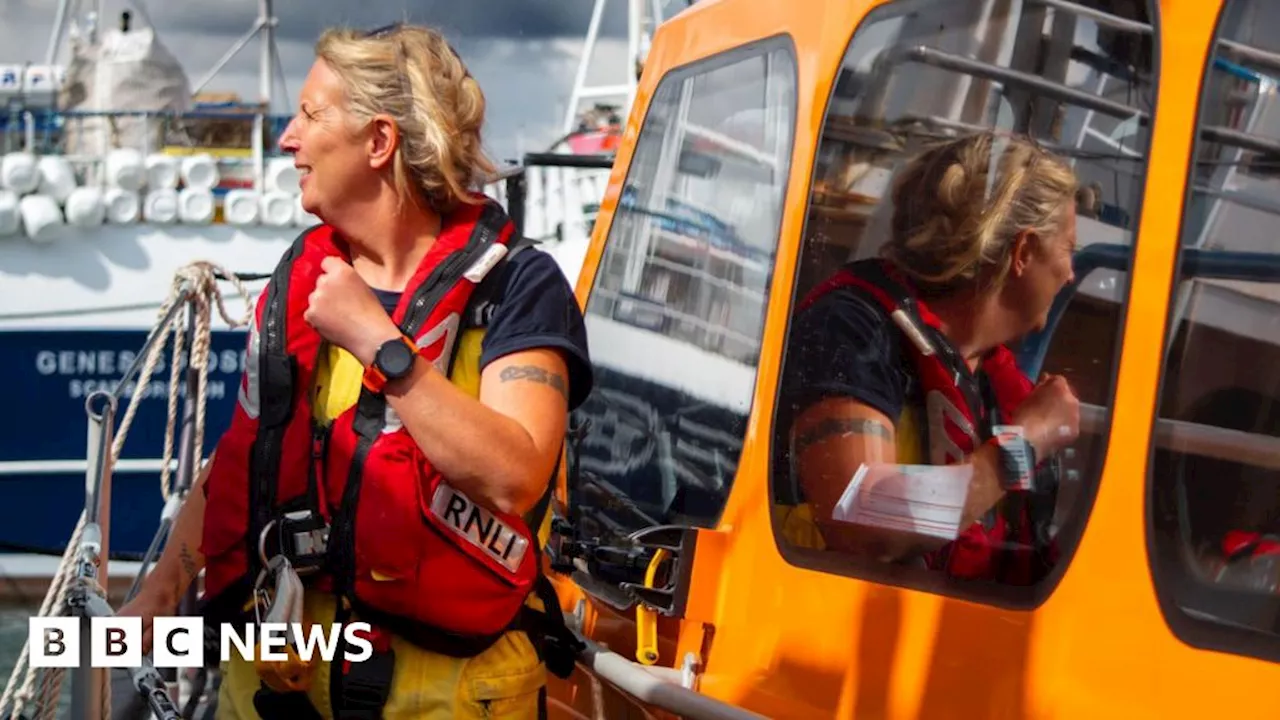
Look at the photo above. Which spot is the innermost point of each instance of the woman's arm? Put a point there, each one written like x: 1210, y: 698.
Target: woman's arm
x: 833, y: 438
x: 181, y: 560
x: 501, y: 449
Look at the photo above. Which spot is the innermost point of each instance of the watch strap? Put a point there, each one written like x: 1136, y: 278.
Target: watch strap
x: 1017, y: 458
x: 375, y: 379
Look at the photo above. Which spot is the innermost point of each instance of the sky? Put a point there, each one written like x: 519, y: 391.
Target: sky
x: 523, y: 52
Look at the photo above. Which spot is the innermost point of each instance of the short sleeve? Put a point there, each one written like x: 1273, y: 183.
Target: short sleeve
x: 537, y: 309
x: 843, y: 346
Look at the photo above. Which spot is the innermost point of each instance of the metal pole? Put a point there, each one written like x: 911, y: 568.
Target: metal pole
x: 55, y: 35
x: 92, y: 558
x: 188, y: 460
x: 226, y: 58
x: 650, y: 688
x: 635, y: 26
x: 515, y: 201
x: 580, y: 78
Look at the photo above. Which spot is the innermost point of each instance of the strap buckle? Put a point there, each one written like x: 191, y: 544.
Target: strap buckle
x: 301, y: 536
x: 277, y: 599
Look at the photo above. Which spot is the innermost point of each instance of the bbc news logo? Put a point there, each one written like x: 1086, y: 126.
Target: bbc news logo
x: 178, y: 642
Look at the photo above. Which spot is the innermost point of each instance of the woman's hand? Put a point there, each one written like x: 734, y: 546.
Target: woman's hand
x: 150, y: 601
x: 1050, y: 416
x: 345, y: 311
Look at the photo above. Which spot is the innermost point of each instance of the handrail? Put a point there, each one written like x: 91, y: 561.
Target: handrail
x: 1190, y: 438
x: 977, y: 68
x: 1237, y: 138
x: 649, y: 688
x: 1098, y: 16
x: 599, y: 161
x: 1248, y: 53
x: 1065, y: 93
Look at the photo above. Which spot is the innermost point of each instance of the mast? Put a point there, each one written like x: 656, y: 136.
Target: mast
x: 625, y: 87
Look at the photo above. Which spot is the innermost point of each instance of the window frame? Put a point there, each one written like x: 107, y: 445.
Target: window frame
x: 1071, y: 533
x: 1250, y: 644
x: 609, y: 592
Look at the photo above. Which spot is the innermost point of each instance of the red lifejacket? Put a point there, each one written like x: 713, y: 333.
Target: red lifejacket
x: 1011, y: 543
x: 404, y: 547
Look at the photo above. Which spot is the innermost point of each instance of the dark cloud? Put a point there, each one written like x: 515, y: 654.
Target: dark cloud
x: 529, y: 19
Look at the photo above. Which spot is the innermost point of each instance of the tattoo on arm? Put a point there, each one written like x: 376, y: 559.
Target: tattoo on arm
x: 188, y: 562
x: 536, y: 374
x: 833, y: 427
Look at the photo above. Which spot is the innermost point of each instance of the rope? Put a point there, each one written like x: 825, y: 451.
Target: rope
x: 196, y: 284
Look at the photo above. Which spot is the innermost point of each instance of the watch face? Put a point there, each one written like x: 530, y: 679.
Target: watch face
x: 394, y: 358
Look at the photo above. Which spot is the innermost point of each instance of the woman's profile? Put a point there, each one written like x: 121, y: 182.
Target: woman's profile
x: 904, y: 360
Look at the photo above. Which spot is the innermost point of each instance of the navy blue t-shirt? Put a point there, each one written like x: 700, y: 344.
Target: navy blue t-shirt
x: 536, y: 308
x: 845, y: 346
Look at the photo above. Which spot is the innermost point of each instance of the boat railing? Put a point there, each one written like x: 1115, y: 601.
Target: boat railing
x: 78, y: 586
x: 239, y: 140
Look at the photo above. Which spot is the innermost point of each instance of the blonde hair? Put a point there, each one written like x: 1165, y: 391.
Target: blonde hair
x: 412, y: 74
x: 948, y: 232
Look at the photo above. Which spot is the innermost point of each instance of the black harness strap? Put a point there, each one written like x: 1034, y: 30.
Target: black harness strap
x: 276, y: 376
x: 361, y: 692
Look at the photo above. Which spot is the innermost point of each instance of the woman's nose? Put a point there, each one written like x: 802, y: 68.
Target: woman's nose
x: 289, y: 139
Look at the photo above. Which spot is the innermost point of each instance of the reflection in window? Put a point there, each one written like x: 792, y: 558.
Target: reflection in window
x: 919, y: 74
x: 1215, y: 475
x: 677, y: 309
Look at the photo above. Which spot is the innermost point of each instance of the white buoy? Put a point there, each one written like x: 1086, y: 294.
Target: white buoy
x: 162, y: 171
x: 41, y: 217
x: 277, y: 209
x: 195, y: 207
x: 10, y: 220
x: 282, y: 176
x: 161, y: 206
x: 122, y: 206
x: 200, y: 172
x: 19, y: 173
x: 84, y: 207
x: 240, y: 207
x: 126, y: 170
x: 57, y: 178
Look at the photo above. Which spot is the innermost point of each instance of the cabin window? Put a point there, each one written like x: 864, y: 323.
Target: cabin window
x: 1080, y: 82
x: 1214, y: 504
x: 676, y: 312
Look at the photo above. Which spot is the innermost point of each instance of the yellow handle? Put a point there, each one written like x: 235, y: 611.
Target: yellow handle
x: 646, y: 619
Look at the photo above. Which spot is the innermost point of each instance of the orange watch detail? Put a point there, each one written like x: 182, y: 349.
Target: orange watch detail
x: 374, y: 379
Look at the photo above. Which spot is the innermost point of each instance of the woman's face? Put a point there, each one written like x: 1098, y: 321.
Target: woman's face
x: 332, y: 156
x: 1041, y: 268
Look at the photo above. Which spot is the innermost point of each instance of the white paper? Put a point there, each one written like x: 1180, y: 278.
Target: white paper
x: 923, y: 500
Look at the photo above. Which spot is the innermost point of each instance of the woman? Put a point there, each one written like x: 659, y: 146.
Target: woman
x: 902, y: 360
x: 415, y: 441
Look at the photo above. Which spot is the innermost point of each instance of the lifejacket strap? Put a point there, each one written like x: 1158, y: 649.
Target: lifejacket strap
x: 272, y: 705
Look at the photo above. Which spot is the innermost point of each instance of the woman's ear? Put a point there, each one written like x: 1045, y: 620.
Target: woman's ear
x: 384, y: 139
x: 1020, y: 253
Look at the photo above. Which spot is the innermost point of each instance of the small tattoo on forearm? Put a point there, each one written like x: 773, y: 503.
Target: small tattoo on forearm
x: 536, y: 374
x: 841, y: 426
x: 188, y: 562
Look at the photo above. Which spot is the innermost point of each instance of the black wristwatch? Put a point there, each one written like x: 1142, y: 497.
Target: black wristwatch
x: 1017, y: 458
x: 393, y: 360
